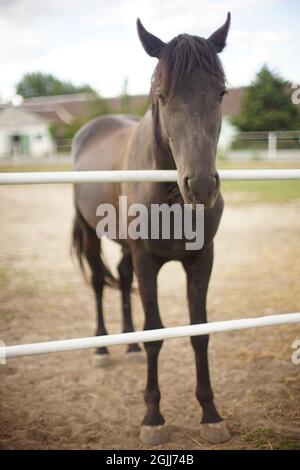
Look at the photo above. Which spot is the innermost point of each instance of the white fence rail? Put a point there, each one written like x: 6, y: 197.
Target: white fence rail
x: 138, y: 176
x: 148, y: 335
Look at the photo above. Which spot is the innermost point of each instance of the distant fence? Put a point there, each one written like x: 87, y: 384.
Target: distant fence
x: 272, y: 146
x: 279, y: 145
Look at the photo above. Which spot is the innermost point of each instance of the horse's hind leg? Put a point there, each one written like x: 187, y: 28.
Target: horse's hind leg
x: 125, y: 269
x: 92, y: 254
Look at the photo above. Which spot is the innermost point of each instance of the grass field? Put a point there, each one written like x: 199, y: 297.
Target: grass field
x: 260, y: 191
x: 236, y: 191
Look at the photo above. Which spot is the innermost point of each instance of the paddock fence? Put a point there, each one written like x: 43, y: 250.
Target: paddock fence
x: 148, y: 335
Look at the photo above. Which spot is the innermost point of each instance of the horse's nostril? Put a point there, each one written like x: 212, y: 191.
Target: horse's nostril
x: 217, y: 178
x: 186, y: 184
x: 201, y: 188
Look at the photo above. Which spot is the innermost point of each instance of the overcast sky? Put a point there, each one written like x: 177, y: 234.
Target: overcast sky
x: 95, y: 41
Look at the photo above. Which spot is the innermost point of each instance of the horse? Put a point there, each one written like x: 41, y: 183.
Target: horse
x: 180, y: 131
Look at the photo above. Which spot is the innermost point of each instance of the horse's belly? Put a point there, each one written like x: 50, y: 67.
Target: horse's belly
x: 89, y: 196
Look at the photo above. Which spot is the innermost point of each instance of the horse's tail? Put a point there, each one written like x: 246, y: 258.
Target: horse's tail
x: 80, y: 233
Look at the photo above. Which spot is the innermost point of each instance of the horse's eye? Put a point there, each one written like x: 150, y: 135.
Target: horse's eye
x: 161, y: 96
x: 221, y: 95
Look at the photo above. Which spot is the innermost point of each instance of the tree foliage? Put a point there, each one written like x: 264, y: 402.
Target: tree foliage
x: 267, y: 105
x: 41, y: 84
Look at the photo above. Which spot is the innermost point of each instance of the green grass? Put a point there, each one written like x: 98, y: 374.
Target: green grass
x: 248, y: 191
x: 33, y: 168
x: 267, y: 439
x: 263, y: 191
x: 254, y: 164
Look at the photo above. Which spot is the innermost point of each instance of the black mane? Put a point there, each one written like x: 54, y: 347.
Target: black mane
x: 180, y: 57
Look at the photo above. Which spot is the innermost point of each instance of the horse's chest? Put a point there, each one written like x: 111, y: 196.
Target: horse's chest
x: 167, y: 249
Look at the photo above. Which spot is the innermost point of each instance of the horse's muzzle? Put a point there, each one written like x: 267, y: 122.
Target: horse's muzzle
x: 201, y: 190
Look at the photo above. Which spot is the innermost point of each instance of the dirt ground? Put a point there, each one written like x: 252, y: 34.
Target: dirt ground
x: 64, y: 401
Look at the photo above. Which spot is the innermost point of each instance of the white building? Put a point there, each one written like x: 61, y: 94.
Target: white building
x: 228, y: 133
x: 23, y: 133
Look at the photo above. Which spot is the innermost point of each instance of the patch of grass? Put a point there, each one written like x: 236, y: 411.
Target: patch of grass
x: 263, y: 191
x: 267, y: 439
x: 253, y: 164
x: 32, y: 168
x: 223, y: 163
x: 260, y: 191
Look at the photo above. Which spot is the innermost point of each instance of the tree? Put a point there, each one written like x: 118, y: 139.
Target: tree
x: 40, y: 84
x: 267, y: 105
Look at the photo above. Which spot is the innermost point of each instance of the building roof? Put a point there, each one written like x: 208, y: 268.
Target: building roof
x: 230, y: 106
x: 65, y: 108
x: 14, y: 116
x: 61, y: 108
x: 59, y: 99
x: 135, y: 103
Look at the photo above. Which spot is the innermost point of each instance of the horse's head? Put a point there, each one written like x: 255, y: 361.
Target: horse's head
x: 187, y: 89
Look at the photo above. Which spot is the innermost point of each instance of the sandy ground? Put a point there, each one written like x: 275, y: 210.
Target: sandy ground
x: 63, y: 401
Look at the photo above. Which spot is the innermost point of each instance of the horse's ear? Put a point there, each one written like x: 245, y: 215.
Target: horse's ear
x: 152, y: 45
x: 218, y: 38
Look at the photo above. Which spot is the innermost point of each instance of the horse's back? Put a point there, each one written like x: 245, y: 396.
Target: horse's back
x: 102, y: 144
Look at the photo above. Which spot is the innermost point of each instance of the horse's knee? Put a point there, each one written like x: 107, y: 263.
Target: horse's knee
x: 97, y: 280
x: 125, y: 271
x: 152, y: 348
x: 200, y: 343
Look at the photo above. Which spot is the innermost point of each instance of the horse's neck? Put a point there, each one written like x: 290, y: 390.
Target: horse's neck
x: 148, y: 151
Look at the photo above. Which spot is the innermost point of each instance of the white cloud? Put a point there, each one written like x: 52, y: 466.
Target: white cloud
x: 96, y: 41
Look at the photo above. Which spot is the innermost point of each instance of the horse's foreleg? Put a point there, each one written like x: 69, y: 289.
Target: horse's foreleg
x: 146, y: 267
x: 125, y: 270
x: 198, y: 269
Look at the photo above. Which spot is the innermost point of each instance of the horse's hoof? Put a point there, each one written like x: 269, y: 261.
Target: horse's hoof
x: 136, y: 357
x: 215, y: 433
x: 102, y: 360
x: 154, y: 435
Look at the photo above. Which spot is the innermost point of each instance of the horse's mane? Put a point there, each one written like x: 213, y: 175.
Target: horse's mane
x: 180, y: 57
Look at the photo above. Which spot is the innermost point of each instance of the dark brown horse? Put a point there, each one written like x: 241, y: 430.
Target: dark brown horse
x: 180, y: 132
